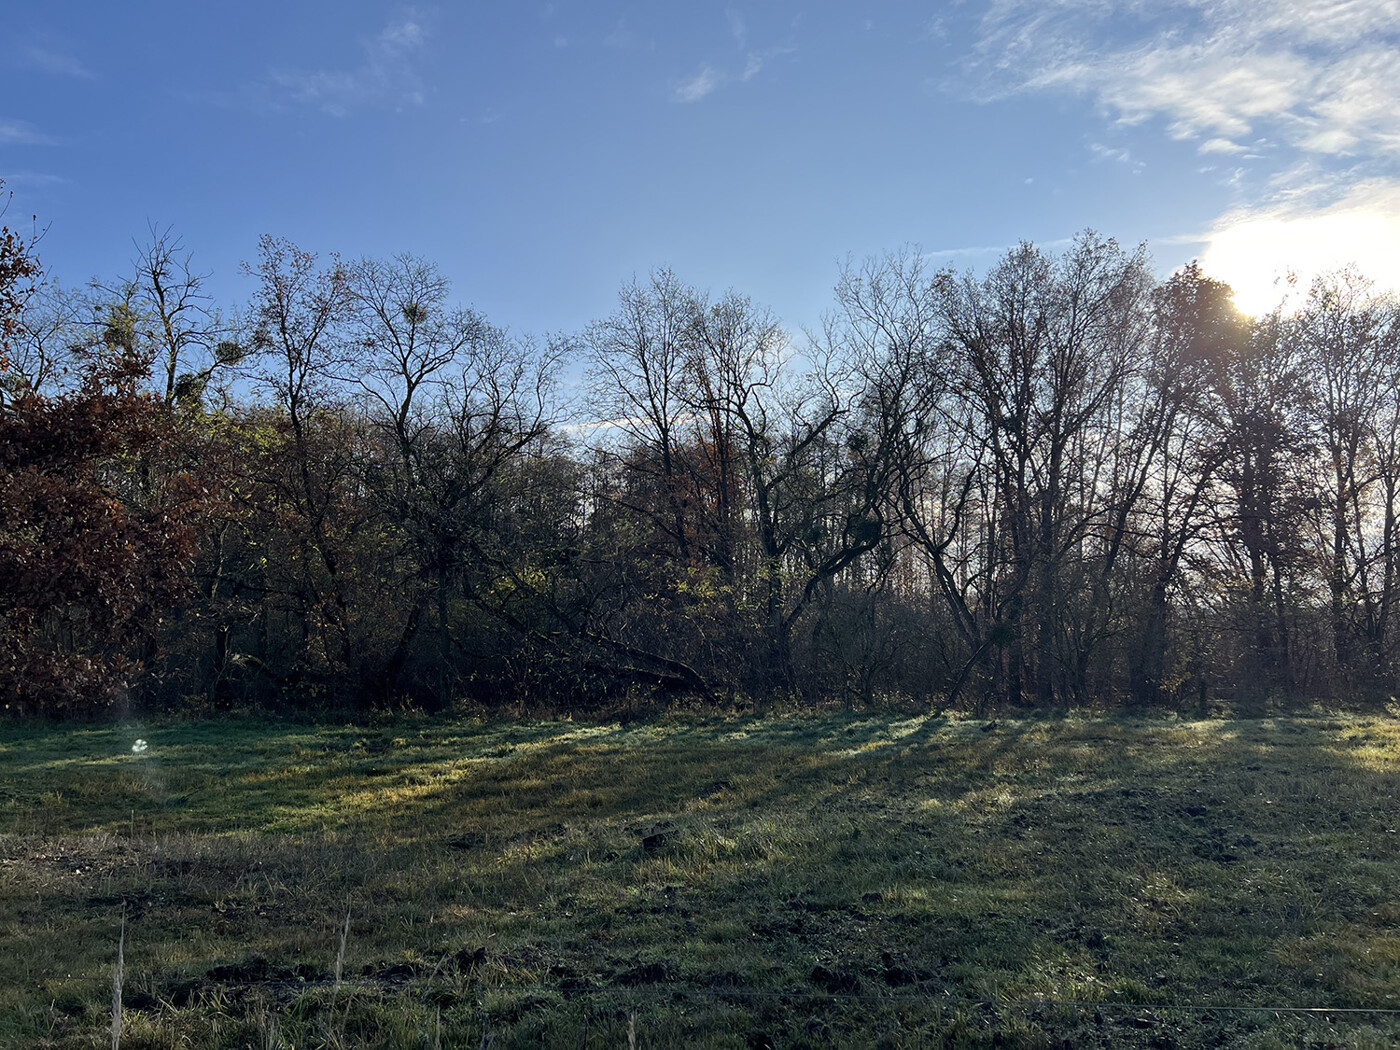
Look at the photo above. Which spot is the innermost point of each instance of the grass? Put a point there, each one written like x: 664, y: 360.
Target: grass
x: 836, y: 880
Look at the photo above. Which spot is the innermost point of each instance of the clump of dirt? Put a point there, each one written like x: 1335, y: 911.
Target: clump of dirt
x: 659, y: 837
x: 838, y: 982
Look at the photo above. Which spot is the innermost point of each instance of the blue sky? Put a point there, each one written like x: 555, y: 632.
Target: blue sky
x: 543, y: 153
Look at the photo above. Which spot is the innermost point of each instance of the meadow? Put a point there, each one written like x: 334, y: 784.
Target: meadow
x: 841, y: 879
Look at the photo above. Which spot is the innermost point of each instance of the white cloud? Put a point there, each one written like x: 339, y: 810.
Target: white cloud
x: 1102, y: 152
x: 945, y: 256
x: 1314, y: 21
x: 1301, y: 94
x: 1219, y: 145
x: 1329, y: 140
x: 387, y: 74
x: 1117, y: 155
x: 1201, y: 91
x: 1319, y: 74
x: 708, y: 79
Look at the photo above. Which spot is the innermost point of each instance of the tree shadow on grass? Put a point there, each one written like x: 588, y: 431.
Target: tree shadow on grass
x: 843, y: 872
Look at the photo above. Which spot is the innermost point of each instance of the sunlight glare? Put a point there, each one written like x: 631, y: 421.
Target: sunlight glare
x: 1255, y: 256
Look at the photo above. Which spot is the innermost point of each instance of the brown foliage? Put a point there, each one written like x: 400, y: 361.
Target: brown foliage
x: 95, y: 538
x: 18, y: 271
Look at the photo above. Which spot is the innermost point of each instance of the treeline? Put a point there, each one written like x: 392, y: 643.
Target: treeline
x: 1062, y: 482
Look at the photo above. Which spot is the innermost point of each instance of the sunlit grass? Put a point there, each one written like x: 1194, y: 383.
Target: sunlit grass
x: 843, y: 879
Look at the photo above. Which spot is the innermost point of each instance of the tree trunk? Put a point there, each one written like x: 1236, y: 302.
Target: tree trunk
x: 1149, y: 662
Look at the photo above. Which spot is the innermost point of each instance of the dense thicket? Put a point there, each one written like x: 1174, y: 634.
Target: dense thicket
x: 1059, y: 482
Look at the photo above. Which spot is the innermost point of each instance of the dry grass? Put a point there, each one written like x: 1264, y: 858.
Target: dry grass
x: 835, y: 880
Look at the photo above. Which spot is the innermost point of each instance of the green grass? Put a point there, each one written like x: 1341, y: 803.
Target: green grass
x: 839, y: 880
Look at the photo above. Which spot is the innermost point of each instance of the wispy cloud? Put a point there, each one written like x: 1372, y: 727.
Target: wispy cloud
x: 388, y: 74
x: 947, y: 256
x: 22, y: 133
x: 54, y: 62
x: 31, y: 179
x: 738, y: 28
x: 1219, y: 145
x: 705, y: 81
x: 710, y: 77
x: 1317, y: 75
x: 1113, y: 153
x: 1300, y: 94
x: 622, y: 36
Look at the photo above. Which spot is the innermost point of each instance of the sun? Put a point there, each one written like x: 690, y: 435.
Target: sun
x: 1272, y: 259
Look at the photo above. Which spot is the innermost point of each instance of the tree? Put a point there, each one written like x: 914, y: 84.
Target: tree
x: 1044, y: 348
x: 455, y: 402
x: 170, y: 294
x: 1348, y: 338
x: 19, y: 273
x: 814, y: 481
x: 637, y: 360
x: 94, y: 549
x: 889, y: 317
x: 53, y: 327
x: 300, y: 312
x: 1195, y: 326
x: 1260, y: 393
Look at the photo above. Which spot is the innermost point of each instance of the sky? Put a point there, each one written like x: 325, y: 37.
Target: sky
x: 544, y: 153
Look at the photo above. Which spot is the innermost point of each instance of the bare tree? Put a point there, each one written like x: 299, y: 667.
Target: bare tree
x: 165, y: 311
x: 459, y: 404
x: 814, y: 481
x: 889, y: 316
x: 49, y: 334
x: 1045, y: 346
x: 1195, y: 326
x: 185, y: 328
x: 637, y: 369
x: 300, y: 312
x: 1260, y: 395
x: 1348, y: 337
x: 420, y: 359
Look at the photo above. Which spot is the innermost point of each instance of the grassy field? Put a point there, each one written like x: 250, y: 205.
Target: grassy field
x: 839, y: 880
